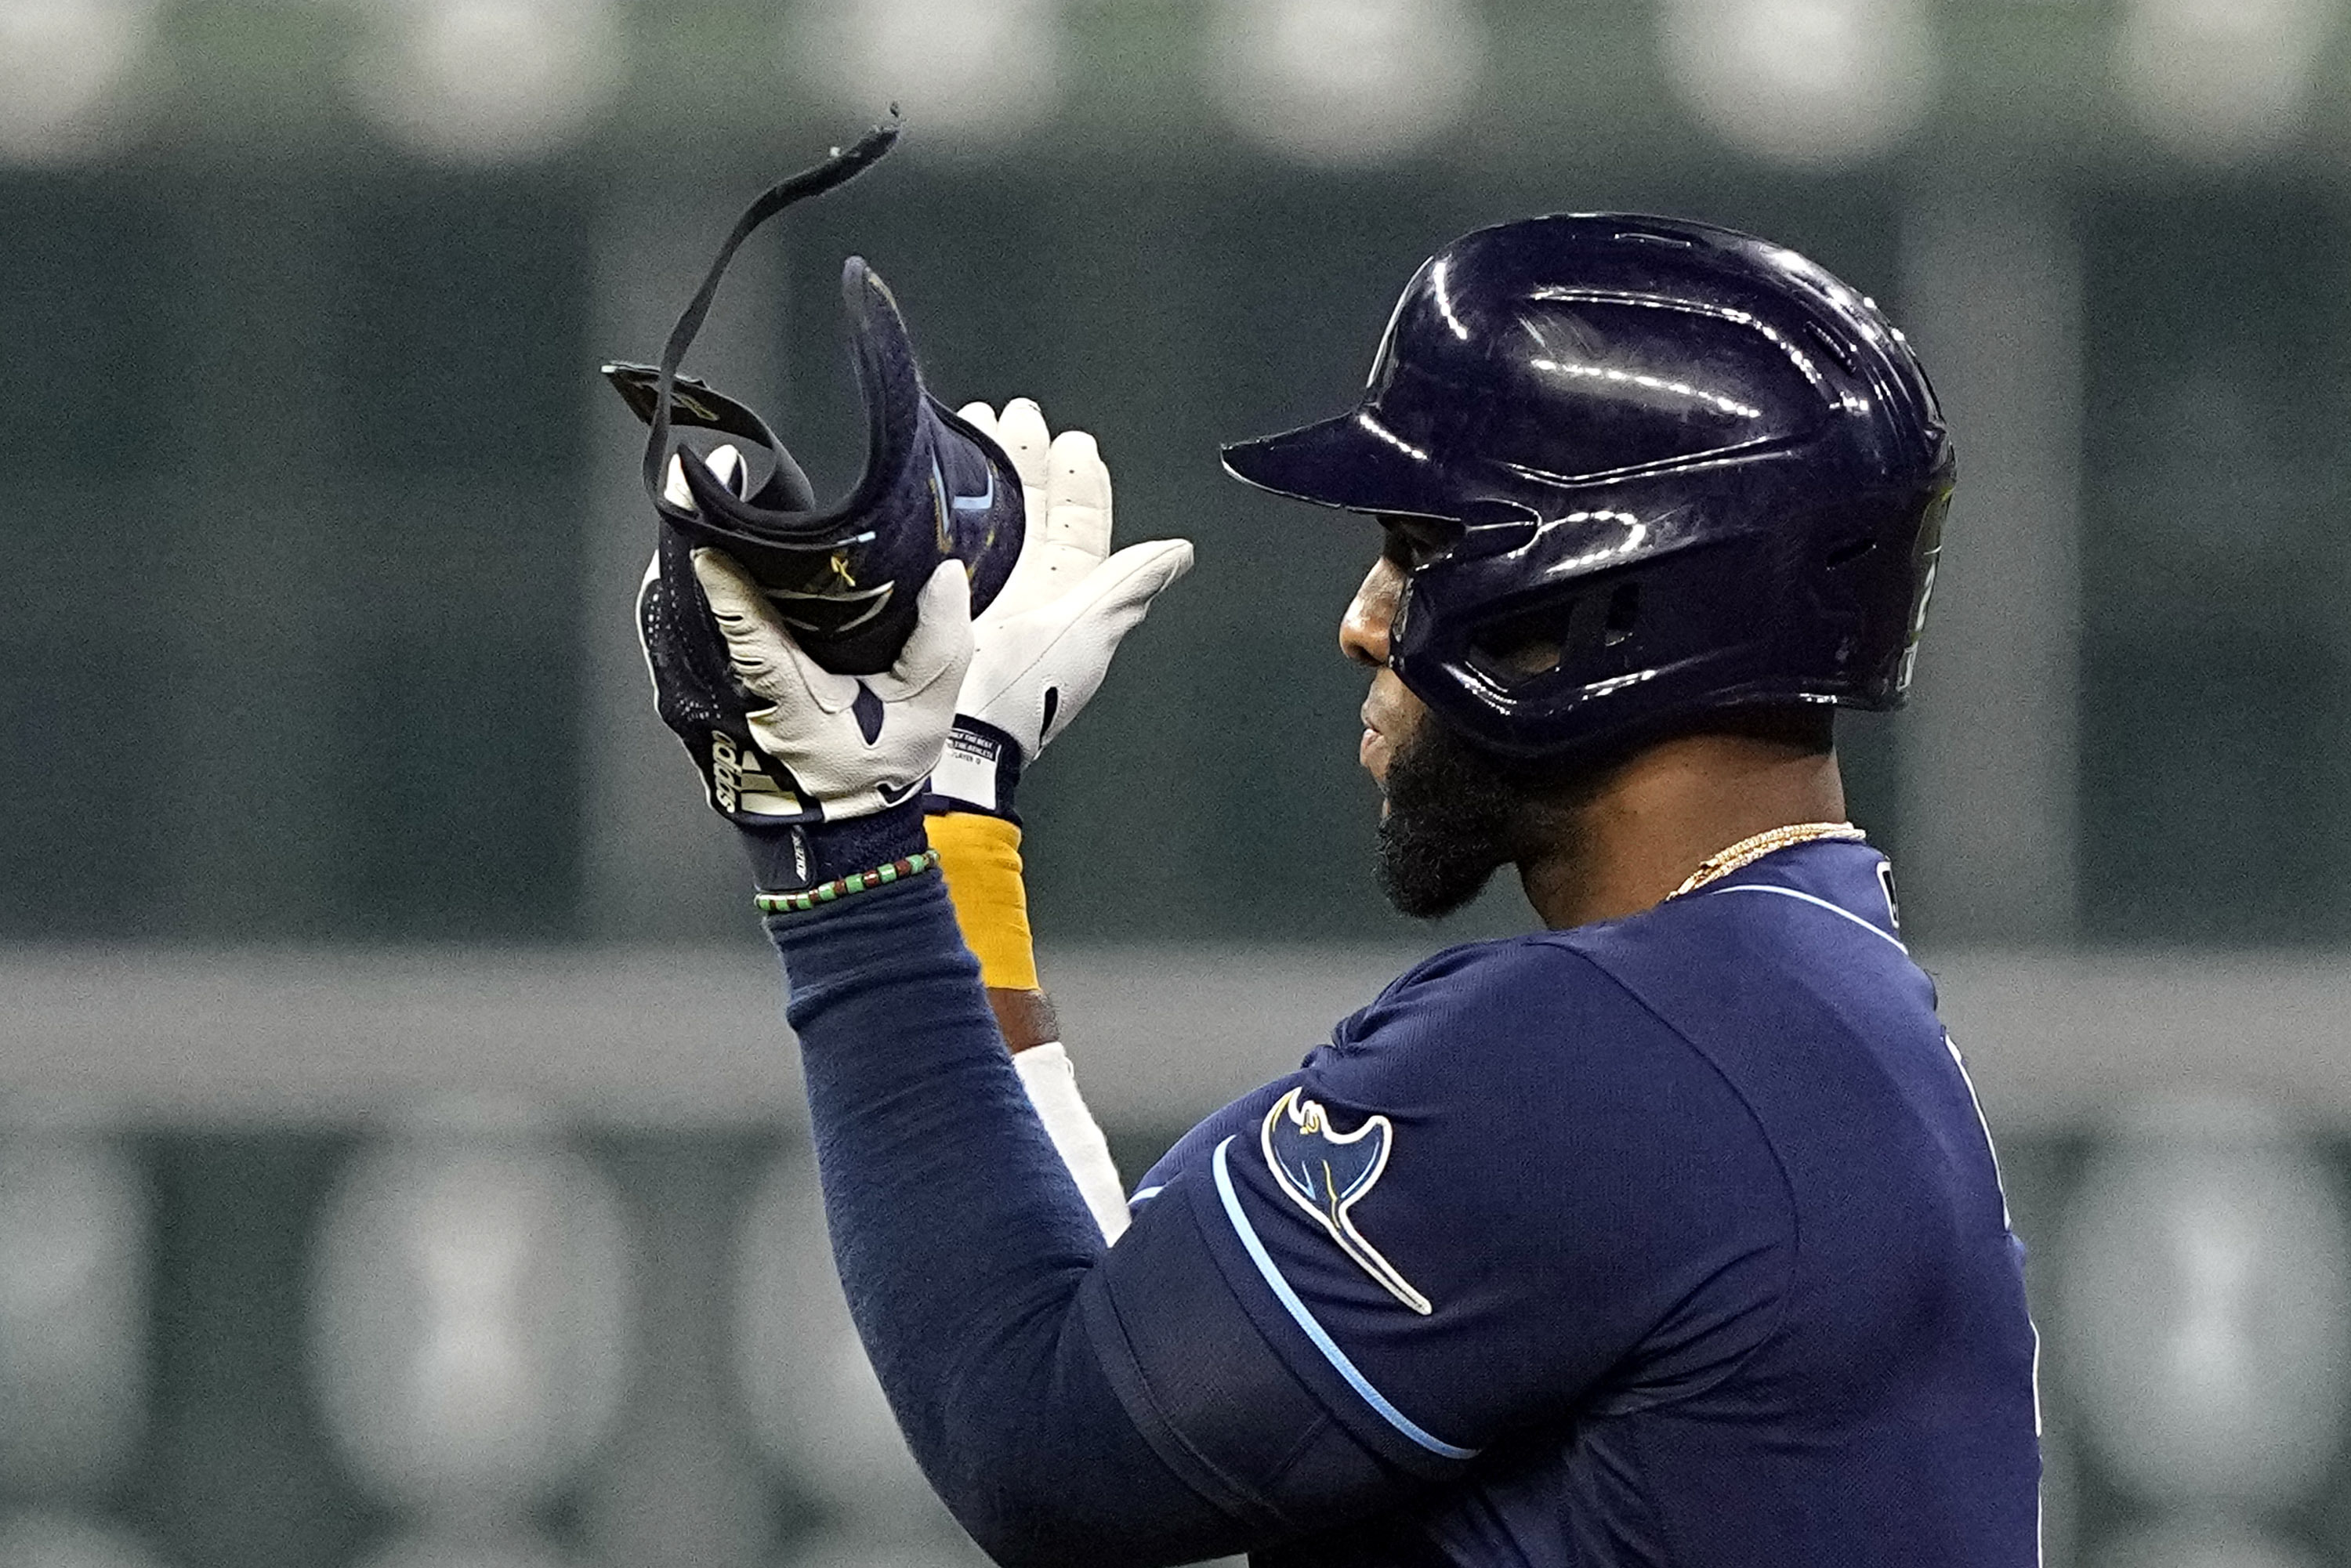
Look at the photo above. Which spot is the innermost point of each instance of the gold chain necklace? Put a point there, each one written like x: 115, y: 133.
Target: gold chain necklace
x: 1748, y: 851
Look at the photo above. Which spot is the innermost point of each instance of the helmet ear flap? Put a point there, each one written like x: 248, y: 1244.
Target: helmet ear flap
x: 847, y: 578
x: 702, y: 418
x: 888, y: 377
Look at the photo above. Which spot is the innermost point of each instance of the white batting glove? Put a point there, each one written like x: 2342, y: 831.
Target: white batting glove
x: 1042, y: 649
x: 853, y: 746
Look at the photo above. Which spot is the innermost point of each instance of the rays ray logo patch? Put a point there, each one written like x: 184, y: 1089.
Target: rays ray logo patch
x: 1325, y: 1172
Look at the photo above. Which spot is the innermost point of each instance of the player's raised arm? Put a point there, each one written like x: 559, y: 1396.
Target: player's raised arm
x: 963, y: 1234
x: 1040, y: 652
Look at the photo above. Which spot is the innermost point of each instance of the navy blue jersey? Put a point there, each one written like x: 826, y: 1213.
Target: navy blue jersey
x: 1680, y: 1235
x: 1676, y: 1239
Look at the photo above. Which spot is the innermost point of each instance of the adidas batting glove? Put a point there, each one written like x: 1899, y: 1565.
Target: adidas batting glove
x: 825, y: 772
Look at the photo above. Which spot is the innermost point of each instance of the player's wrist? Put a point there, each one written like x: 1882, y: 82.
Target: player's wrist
x: 978, y: 773
x: 795, y: 857
x: 1024, y: 1017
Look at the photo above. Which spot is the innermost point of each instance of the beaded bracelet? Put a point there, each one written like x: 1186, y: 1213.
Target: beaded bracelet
x: 841, y: 887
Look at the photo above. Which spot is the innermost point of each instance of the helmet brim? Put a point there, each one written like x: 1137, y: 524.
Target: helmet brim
x: 1351, y: 462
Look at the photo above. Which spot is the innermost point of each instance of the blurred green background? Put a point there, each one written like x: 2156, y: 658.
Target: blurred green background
x: 330, y: 787
x: 307, y: 456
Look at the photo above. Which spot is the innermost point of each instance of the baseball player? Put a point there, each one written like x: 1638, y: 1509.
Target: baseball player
x: 1667, y: 1234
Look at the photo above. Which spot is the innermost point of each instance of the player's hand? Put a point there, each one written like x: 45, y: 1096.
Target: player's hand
x: 782, y: 741
x: 1041, y: 650
x: 853, y: 744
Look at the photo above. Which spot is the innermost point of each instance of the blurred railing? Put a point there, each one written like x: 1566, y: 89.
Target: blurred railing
x: 468, y: 1259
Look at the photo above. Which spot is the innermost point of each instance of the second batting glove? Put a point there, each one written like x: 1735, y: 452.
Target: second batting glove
x: 1042, y: 649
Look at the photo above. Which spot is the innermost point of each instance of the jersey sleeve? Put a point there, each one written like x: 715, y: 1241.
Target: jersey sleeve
x: 1506, y: 1195
x: 980, y: 1286
x: 1457, y: 1220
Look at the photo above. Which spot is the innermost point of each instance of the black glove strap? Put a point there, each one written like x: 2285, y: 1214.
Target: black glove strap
x: 839, y: 169
x: 802, y: 855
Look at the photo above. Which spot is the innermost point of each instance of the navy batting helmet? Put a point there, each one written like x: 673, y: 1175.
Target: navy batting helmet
x: 1690, y: 470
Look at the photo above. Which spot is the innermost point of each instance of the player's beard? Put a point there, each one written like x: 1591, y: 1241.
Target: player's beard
x: 1453, y: 819
x: 1457, y: 814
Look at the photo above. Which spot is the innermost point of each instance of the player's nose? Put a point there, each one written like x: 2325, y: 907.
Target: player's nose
x: 1363, y: 629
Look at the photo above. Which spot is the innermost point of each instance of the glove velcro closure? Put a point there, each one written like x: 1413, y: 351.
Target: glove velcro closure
x: 796, y: 856
x: 980, y: 857
x: 979, y: 771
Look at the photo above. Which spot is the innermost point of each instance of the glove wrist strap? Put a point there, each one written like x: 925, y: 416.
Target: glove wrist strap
x: 979, y: 771
x: 796, y: 857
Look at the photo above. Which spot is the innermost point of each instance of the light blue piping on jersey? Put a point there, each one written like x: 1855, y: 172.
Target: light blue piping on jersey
x: 1314, y: 1331
x: 1825, y: 904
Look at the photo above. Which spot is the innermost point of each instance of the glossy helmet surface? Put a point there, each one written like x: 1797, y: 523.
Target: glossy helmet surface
x: 1690, y: 470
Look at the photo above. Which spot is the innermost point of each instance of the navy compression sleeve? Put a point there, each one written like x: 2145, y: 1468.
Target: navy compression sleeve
x: 1013, y: 1359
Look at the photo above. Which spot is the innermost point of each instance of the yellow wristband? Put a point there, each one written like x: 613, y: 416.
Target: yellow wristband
x: 980, y: 857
